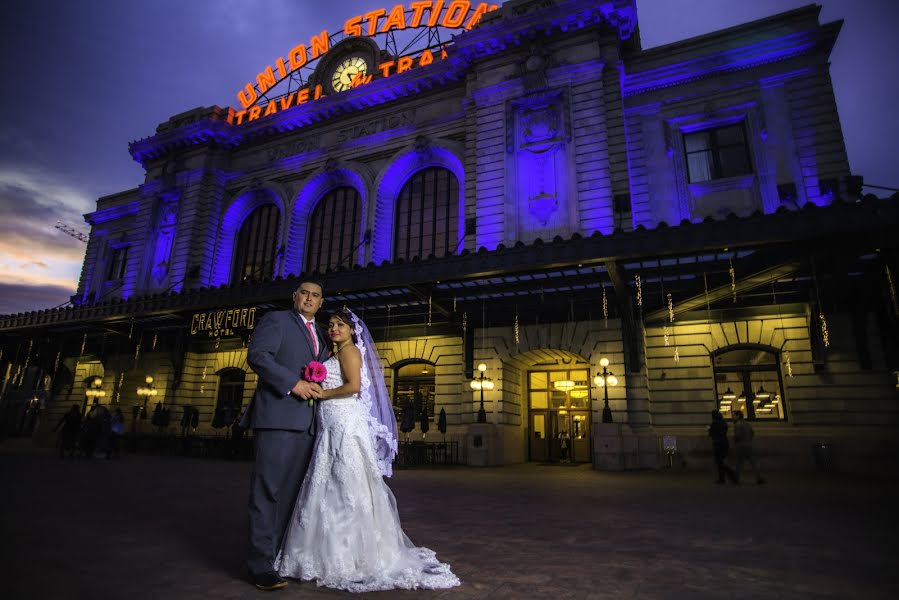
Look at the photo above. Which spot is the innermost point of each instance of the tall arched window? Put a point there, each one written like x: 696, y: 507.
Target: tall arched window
x: 333, y: 230
x: 230, y: 396
x: 254, y: 256
x: 427, y: 215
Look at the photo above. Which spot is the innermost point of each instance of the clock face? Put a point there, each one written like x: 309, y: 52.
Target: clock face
x: 347, y: 71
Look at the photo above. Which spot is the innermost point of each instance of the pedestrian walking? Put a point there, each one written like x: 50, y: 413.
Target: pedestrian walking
x: 116, y: 431
x: 90, y: 431
x: 743, y: 435
x: 720, y: 446
x: 70, y: 423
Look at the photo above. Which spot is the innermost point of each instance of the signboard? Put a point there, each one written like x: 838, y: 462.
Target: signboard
x: 222, y: 322
x: 456, y: 14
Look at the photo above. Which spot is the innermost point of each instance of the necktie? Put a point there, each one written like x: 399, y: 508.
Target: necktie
x: 311, y: 329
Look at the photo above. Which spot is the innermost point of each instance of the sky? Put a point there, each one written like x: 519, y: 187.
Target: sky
x: 82, y: 78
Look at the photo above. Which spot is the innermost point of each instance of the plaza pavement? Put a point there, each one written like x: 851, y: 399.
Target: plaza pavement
x: 150, y: 527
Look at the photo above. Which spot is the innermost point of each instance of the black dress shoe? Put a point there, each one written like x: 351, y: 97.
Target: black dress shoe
x: 269, y: 581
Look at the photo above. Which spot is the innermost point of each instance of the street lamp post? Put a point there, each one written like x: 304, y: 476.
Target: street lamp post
x: 93, y: 392
x: 604, y: 380
x: 482, y: 382
x: 146, y: 391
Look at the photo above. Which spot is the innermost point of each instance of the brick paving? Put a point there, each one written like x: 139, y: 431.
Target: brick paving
x: 150, y: 527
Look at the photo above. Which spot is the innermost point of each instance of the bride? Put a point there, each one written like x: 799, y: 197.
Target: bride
x: 345, y: 531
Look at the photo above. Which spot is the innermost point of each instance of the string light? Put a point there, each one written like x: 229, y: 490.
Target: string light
x: 825, y: 335
x: 892, y: 287
x: 515, y: 328
x: 55, y: 363
x: 676, y: 355
x: 780, y: 316
x: 204, y: 373
x: 118, y: 393
x: 131, y: 329
x: 670, y: 308
x: 733, y: 279
x: 140, y: 340
x: 454, y: 304
x: 388, y: 320
x: 665, y: 331
x: 639, y: 291
x: 83, y: 344
x: 153, y: 347
x: 605, y: 307
x: 27, y: 356
x: 218, y: 340
x: 429, y: 310
x: 464, y: 323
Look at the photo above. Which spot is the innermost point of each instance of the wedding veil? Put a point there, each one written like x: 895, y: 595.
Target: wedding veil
x: 375, y: 399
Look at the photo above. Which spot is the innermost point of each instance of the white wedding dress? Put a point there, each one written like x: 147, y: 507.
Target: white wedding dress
x: 345, y: 531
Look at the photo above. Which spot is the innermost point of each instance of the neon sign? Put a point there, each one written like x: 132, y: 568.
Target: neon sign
x: 456, y: 14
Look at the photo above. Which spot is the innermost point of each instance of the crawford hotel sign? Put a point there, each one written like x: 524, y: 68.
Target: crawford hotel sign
x: 329, y: 63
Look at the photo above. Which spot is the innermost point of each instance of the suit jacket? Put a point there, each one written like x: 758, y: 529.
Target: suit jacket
x: 279, y: 349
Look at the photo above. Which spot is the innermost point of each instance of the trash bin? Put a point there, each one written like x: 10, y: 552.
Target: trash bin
x: 823, y: 454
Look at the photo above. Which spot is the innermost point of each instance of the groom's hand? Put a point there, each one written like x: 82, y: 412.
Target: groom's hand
x: 305, y: 390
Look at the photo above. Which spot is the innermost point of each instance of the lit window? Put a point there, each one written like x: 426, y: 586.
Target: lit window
x: 427, y: 215
x: 333, y: 231
x: 256, y: 245
x: 717, y: 153
x: 748, y: 379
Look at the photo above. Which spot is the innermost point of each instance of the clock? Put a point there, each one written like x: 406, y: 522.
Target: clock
x: 347, y: 71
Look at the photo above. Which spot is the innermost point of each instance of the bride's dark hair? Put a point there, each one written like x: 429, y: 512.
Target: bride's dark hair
x: 344, y: 316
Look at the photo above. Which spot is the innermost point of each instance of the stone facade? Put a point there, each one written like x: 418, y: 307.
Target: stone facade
x: 555, y: 124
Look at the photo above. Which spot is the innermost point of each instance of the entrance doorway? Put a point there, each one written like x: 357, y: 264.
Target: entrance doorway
x: 559, y: 416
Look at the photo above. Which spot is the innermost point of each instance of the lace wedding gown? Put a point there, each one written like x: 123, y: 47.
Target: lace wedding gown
x: 345, y: 531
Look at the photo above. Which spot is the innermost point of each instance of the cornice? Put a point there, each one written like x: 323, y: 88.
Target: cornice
x: 517, y: 23
x: 212, y: 129
x: 112, y: 213
x: 719, y: 63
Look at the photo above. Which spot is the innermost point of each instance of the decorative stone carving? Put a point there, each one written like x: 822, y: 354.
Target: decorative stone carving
x: 538, y: 151
x: 540, y: 126
x: 533, y: 70
x: 423, y: 147
x: 165, y: 237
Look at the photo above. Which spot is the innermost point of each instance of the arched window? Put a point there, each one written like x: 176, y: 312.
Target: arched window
x: 254, y: 257
x: 414, y: 389
x: 333, y: 230
x: 748, y: 379
x: 427, y: 215
x: 230, y: 397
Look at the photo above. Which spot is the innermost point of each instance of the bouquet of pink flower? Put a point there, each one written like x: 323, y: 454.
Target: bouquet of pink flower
x: 314, y: 372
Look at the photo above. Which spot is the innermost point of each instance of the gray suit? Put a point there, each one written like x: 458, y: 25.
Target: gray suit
x: 284, y: 429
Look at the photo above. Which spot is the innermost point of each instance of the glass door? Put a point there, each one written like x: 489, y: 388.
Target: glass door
x: 559, y: 416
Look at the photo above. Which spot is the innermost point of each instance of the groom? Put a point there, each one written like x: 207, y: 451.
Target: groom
x: 282, y: 419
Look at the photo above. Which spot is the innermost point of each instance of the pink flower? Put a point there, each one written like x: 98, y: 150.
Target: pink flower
x: 315, y: 372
